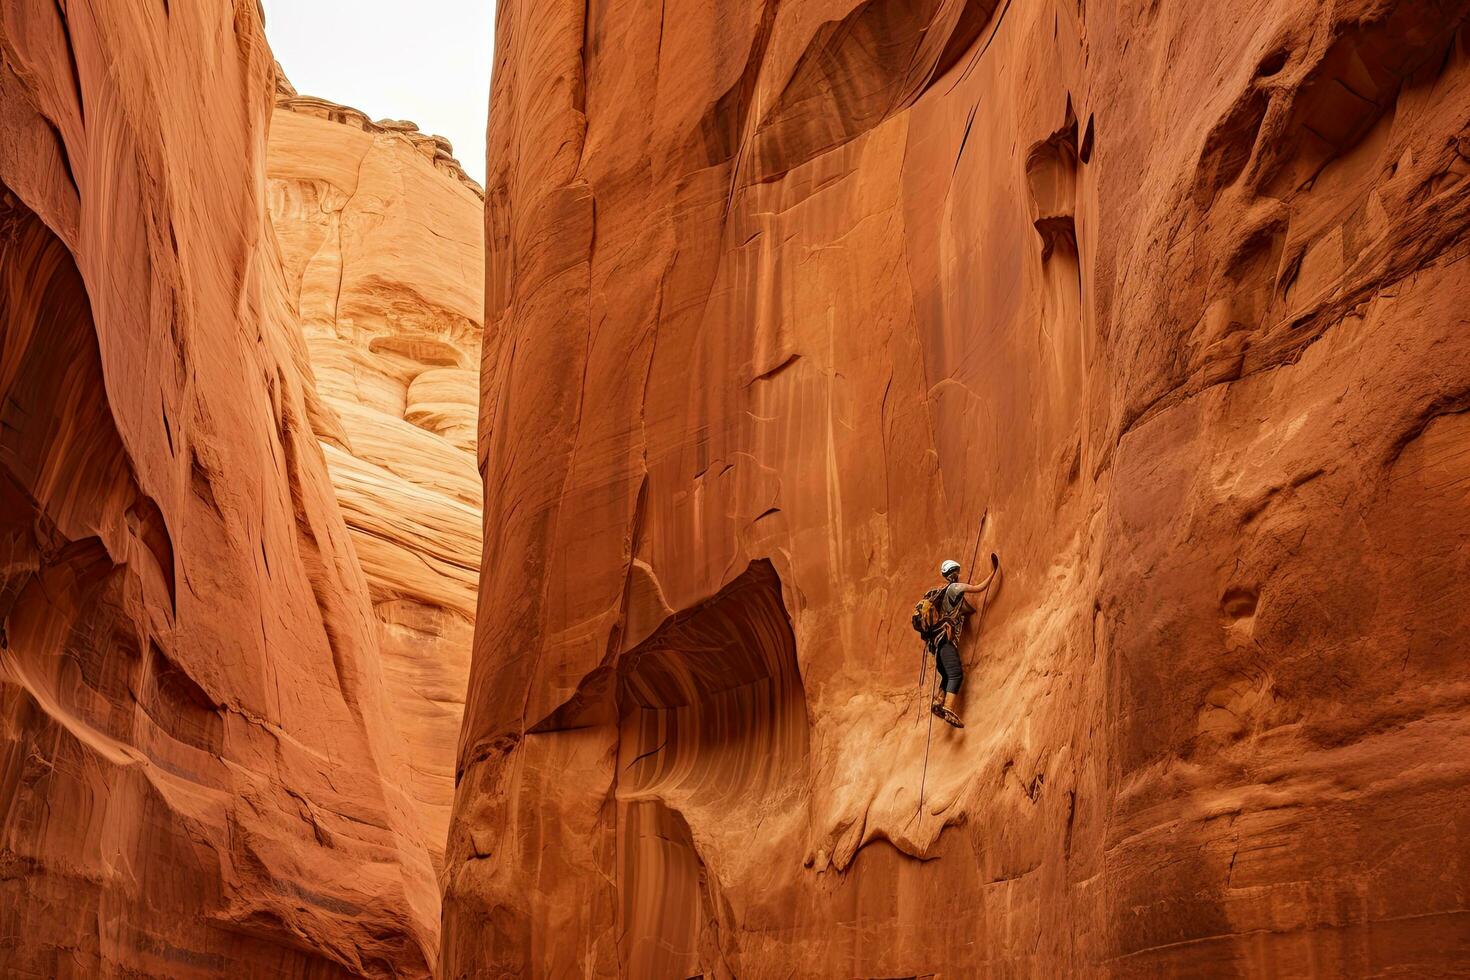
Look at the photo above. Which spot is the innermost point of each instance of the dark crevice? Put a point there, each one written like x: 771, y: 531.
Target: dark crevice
x: 1071, y: 820
x: 71, y: 59
x: 168, y: 431
x: 1229, y: 146
x: 721, y: 129
x: 65, y: 156
x: 964, y: 140
x: 651, y: 752
x: 1272, y: 63
x: 979, y: 54
x: 972, y: 20
x: 780, y: 368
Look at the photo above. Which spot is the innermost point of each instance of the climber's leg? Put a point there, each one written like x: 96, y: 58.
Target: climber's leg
x: 953, y: 672
x: 951, y: 669
x: 940, y: 679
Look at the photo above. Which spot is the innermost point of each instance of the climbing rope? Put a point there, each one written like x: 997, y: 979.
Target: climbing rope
x: 985, y: 599
x: 919, y: 813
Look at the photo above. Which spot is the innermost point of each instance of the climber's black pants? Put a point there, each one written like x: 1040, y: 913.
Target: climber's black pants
x: 951, y: 671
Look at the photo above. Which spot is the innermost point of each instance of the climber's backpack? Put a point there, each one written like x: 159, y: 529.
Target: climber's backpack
x: 929, y: 619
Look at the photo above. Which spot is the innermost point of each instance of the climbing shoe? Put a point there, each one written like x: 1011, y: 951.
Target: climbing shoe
x: 947, y: 716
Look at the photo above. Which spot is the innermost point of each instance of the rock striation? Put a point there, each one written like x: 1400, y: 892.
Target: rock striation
x: 781, y: 298
x: 382, y: 242
x: 199, y: 775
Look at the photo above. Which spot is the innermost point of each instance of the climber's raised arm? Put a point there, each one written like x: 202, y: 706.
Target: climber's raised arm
x: 978, y: 587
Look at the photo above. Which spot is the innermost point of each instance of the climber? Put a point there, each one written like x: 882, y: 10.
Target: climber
x: 953, y: 608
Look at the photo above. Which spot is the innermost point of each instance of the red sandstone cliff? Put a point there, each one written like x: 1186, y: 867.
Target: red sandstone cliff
x: 380, y: 232
x: 198, y: 773
x: 780, y: 298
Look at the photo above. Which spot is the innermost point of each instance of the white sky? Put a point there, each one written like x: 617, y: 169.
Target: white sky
x: 423, y: 60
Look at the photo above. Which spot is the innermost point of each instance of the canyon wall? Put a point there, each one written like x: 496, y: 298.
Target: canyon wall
x: 380, y: 233
x: 781, y: 298
x: 198, y: 773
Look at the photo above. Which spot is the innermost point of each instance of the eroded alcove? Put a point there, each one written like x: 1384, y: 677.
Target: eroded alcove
x: 712, y: 734
x: 711, y: 722
x: 711, y: 707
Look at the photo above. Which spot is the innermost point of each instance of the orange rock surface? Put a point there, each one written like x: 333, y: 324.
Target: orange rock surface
x: 781, y: 298
x: 198, y: 772
x: 380, y: 231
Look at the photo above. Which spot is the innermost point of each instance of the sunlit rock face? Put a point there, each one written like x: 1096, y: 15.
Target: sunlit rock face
x: 382, y: 242
x: 781, y: 298
x: 198, y: 773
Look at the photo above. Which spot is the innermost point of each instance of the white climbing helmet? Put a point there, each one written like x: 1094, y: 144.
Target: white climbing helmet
x: 950, y: 565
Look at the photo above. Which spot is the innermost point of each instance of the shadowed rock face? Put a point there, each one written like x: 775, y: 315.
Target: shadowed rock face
x: 712, y: 734
x: 197, y: 773
x: 780, y: 299
x: 383, y: 255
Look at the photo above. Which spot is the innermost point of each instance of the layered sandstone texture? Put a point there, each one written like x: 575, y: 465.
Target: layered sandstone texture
x: 781, y: 298
x: 381, y: 236
x: 198, y: 773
